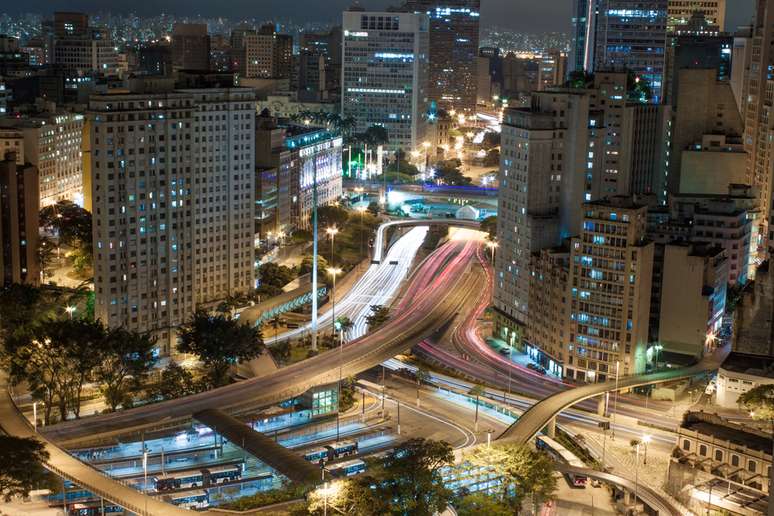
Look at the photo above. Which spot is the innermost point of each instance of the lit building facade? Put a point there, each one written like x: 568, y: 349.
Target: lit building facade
x: 680, y: 12
x: 18, y: 221
x: 454, y: 42
x: 385, y: 74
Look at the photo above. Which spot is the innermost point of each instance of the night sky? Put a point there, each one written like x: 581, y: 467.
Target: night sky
x: 526, y: 15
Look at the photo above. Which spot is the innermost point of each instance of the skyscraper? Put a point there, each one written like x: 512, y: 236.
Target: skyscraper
x: 80, y: 49
x: 384, y: 74
x: 680, y: 11
x: 454, y: 37
x: 621, y: 35
x: 268, y: 55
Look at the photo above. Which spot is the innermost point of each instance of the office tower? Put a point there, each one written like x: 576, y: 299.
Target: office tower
x: 757, y: 114
x: 680, y: 12
x: 275, y: 169
x: 81, y: 50
x: 627, y: 35
x: 190, y: 46
x: 584, y: 19
x: 707, y: 153
x: 51, y: 143
x: 384, y: 74
x: 693, y: 298
x: 223, y: 190
x: 610, y: 285
x: 267, y: 54
x: 454, y: 37
x: 319, y: 65
x: 552, y: 69
x: 18, y: 221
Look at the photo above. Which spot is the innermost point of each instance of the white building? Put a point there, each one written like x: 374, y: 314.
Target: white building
x: 739, y: 373
x: 384, y: 74
x: 172, y: 196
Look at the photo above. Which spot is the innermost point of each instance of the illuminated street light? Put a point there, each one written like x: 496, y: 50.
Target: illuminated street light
x: 492, y: 247
x: 70, y: 309
x: 646, y: 439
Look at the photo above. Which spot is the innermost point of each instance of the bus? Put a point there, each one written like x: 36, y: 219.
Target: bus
x: 317, y: 454
x: 221, y: 474
x: 93, y: 508
x: 565, y: 456
x: 191, y: 500
x: 347, y: 468
x: 342, y: 449
x: 179, y: 480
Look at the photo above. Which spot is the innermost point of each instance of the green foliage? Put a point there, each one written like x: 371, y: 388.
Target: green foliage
x: 261, y: 499
x: 448, y: 172
x: 176, y: 382
x: 347, y: 496
x: 306, y: 265
x: 219, y: 342
x: 331, y: 215
x: 580, y: 79
x: 491, y: 140
x: 70, y: 221
x: 281, y: 351
x: 128, y: 357
x: 19, y: 308
x: 411, y: 478
x: 82, y: 260
x: 21, y: 466
x: 375, y: 135
x: 276, y: 275
x: 347, y: 400
x: 489, y: 226
x: 638, y: 88
x: 524, y: 470
x: 46, y: 253
x: 482, y: 504
x: 378, y: 316
x: 373, y: 208
x: 759, y: 401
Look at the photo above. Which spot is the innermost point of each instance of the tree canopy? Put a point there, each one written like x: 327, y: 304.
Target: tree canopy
x: 378, y: 316
x: 126, y: 359
x: 219, y: 342
x: 759, y: 401
x: 21, y: 466
x: 489, y: 226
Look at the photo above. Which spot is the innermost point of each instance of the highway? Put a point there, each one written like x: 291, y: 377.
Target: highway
x: 436, y: 292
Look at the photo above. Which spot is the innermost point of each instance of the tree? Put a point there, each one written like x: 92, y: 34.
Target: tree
x: 422, y: 375
x: 219, y: 342
x: 46, y: 249
x: 448, y: 172
x: 275, y: 322
x: 523, y: 470
x: 373, y: 208
x: 479, y: 504
x: 176, y: 382
x: 344, y: 324
x: 376, y: 135
x: 477, y: 391
x: 759, y: 401
x: 378, y: 316
x: 19, y: 308
x: 347, y: 496
x: 21, y: 466
x: 331, y: 215
x: 411, y: 478
x: 347, y: 394
x: 275, y: 275
x: 489, y: 226
x: 128, y: 357
x: 280, y: 351
x: 305, y: 267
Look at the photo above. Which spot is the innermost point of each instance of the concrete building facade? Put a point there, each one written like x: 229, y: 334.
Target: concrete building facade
x: 18, y: 221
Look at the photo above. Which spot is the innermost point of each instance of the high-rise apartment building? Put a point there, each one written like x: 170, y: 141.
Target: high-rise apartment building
x: 52, y: 143
x: 680, y: 12
x: 758, y: 115
x: 190, y: 46
x: 267, y: 54
x: 384, y: 74
x: 172, y: 188
x: 18, y: 221
x: 454, y: 37
x: 610, y: 285
x: 621, y: 35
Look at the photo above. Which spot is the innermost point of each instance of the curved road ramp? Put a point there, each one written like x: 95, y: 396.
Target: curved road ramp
x: 541, y: 413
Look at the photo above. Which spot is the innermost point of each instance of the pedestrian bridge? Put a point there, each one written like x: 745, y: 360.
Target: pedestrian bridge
x: 278, y: 305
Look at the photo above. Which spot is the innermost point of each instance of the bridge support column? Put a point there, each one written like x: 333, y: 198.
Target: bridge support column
x: 551, y: 428
x: 602, y: 405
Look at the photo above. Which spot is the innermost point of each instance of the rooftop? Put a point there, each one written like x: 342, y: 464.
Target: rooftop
x: 714, y: 426
x: 748, y: 363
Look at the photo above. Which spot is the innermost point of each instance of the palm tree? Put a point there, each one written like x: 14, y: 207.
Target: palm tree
x: 422, y: 376
x: 275, y: 322
x: 345, y: 324
x: 477, y: 390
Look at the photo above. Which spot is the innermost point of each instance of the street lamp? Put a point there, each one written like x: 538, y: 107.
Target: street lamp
x: 333, y: 271
x: 615, y: 397
x: 332, y: 232
x: 362, y: 210
x: 70, y: 309
x: 646, y: 439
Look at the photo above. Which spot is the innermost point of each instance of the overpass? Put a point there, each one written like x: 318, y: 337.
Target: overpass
x: 426, y: 310
x: 277, y: 305
x: 379, y: 240
x: 61, y: 463
x: 544, y: 412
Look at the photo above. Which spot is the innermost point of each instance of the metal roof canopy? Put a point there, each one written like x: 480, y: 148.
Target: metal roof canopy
x: 260, y: 446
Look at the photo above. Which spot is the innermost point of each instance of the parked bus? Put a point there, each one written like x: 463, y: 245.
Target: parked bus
x: 221, y: 474
x: 565, y: 456
x: 347, y: 468
x: 342, y: 449
x: 191, y: 500
x: 179, y: 480
x: 317, y: 454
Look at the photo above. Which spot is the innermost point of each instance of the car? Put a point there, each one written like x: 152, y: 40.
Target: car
x: 536, y: 368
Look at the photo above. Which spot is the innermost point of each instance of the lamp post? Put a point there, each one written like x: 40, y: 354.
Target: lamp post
x: 145, y: 475
x: 70, y: 309
x: 615, y: 397
x: 315, y: 240
x: 492, y: 247
x: 636, y: 474
x: 35, y: 415
x: 332, y: 232
x: 645, y: 440
x: 362, y: 210
x: 333, y: 271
